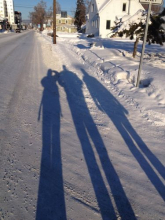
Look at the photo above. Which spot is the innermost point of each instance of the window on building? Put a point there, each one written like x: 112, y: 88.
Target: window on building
x: 92, y: 8
x: 124, y: 6
x: 96, y: 23
x: 108, y: 24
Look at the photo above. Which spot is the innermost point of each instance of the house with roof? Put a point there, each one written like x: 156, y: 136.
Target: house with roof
x: 102, y: 15
x: 65, y: 23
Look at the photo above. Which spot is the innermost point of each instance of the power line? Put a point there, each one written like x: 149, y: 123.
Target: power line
x: 32, y: 6
x: 29, y: 7
x: 20, y: 6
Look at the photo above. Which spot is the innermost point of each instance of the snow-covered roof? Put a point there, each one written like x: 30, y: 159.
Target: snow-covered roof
x: 102, y: 3
x: 58, y: 16
x: 83, y: 26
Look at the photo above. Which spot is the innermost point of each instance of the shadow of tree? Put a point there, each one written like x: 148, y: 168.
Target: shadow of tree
x: 51, y: 203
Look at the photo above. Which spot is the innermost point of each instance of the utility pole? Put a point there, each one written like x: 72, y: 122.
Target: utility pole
x: 129, y: 7
x: 144, y: 43
x: 54, y: 21
x: 150, y: 2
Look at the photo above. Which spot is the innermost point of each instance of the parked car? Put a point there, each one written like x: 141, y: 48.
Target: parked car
x: 18, y: 30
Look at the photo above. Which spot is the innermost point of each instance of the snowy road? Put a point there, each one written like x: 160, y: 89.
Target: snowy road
x: 21, y: 71
x: 71, y: 148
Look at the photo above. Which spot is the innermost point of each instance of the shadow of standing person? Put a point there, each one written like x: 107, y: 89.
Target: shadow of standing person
x: 107, y: 103
x: 87, y: 132
x: 51, y: 203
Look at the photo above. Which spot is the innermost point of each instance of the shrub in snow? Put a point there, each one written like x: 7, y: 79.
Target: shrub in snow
x: 134, y: 27
x: 156, y: 31
x: 98, y: 44
x: 90, y: 35
x: 51, y: 34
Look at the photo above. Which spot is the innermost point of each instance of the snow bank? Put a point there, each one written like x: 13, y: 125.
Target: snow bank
x: 112, y: 59
x: 121, y: 75
x: 5, y: 32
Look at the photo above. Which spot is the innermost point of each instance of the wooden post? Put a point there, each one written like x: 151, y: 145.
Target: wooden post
x: 54, y: 21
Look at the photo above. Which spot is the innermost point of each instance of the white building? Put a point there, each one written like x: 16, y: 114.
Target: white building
x: 103, y: 14
x: 7, y: 10
x: 10, y: 11
x: 2, y: 11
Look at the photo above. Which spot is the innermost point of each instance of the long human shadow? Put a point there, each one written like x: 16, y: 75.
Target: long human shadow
x: 87, y: 133
x: 51, y: 203
x: 105, y: 101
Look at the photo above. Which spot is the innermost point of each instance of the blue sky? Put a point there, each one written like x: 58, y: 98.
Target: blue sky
x: 25, y: 6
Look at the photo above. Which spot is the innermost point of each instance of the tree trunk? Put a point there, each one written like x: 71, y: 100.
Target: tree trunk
x: 135, y: 47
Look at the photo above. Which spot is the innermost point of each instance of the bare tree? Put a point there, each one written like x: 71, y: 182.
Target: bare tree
x: 50, y: 10
x: 87, y: 4
x: 58, y: 8
x: 39, y: 14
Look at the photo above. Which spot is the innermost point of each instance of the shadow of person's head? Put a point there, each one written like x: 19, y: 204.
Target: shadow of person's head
x: 49, y: 73
x: 70, y: 81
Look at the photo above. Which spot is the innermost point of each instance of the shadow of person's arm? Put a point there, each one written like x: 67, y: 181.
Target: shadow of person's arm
x: 61, y: 81
x: 57, y: 78
x: 57, y: 74
x: 120, y: 107
x: 98, y: 104
x: 126, y: 112
x: 40, y: 109
x: 107, y: 106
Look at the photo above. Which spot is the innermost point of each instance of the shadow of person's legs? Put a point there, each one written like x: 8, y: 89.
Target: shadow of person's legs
x: 123, y: 205
x: 143, y: 147
x: 51, y: 203
x: 145, y: 165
